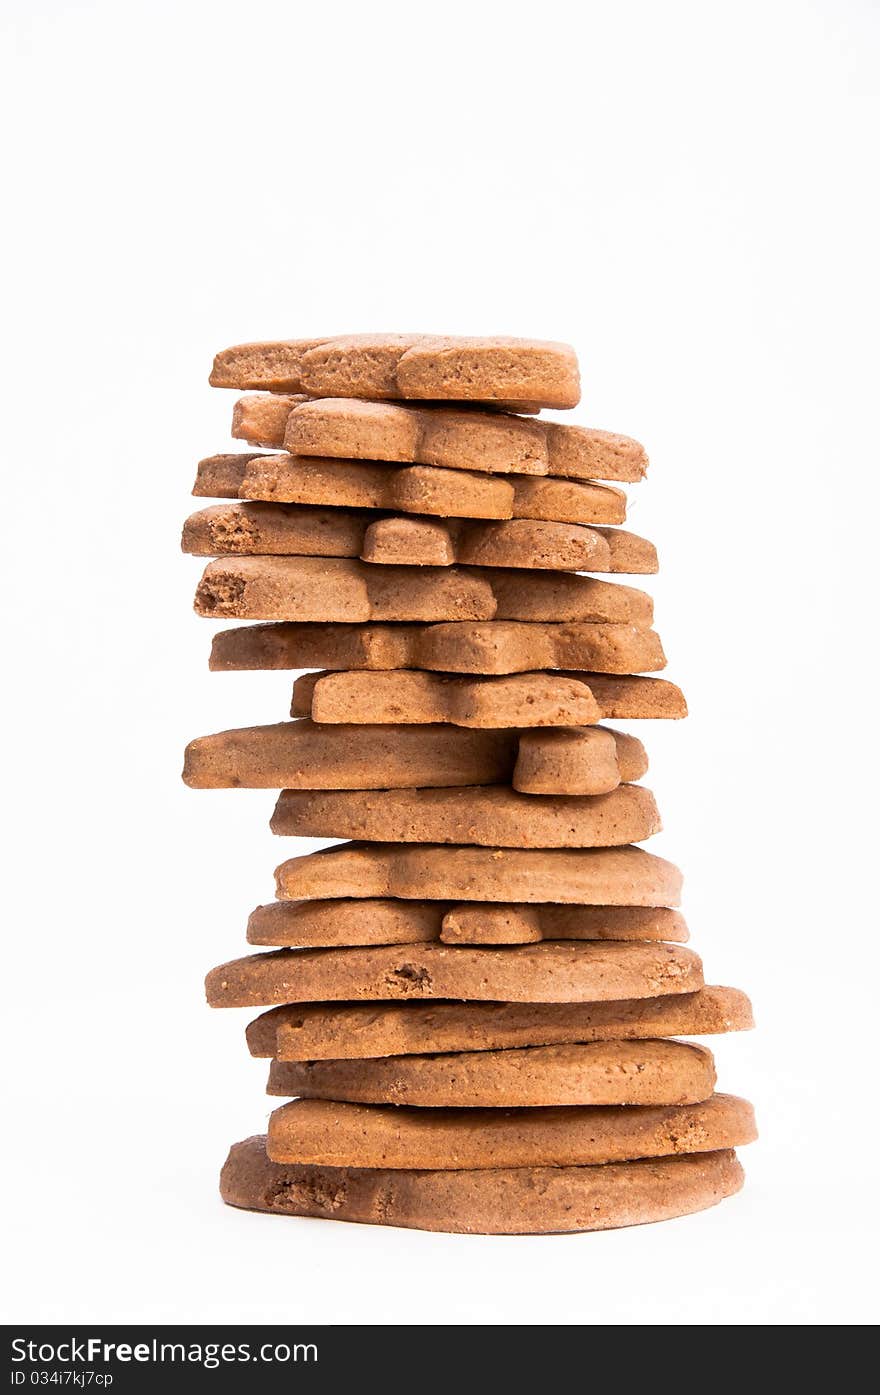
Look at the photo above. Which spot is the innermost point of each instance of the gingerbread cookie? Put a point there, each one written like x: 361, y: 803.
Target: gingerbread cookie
x: 329, y: 1133
x: 489, y: 816
x: 536, y: 373
x: 414, y: 696
x: 337, y: 1031
x: 489, y: 648
x: 421, y: 489
x: 476, y: 923
x: 303, y: 755
x: 338, y: 589
x: 577, y: 762
x: 591, y: 1073
x: 518, y: 543
x: 452, y: 439
x: 589, y: 876
x: 552, y: 972
x: 221, y: 476
x: 518, y: 700
x: 376, y: 921
x: 261, y: 418
x: 352, y: 429
x: 316, y: 756
x: 414, y: 489
x: 300, y: 530
x: 489, y: 1201
x: 284, y: 529
x: 319, y: 588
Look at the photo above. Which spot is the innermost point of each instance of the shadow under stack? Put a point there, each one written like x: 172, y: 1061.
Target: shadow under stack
x: 474, y: 1006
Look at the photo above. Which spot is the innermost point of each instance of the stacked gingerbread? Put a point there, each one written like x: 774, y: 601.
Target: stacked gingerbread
x: 472, y: 1007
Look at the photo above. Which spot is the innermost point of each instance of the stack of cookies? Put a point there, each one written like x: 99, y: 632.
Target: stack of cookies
x: 473, y: 1006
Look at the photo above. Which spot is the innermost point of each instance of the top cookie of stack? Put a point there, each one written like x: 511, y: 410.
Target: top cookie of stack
x: 526, y: 374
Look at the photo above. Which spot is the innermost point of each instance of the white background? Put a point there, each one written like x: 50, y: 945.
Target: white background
x: 686, y: 193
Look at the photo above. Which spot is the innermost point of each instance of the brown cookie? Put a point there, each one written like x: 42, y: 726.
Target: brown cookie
x: 516, y: 543
x: 425, y: 435
x: 300, y: 530
x: 288, y: 754
x: 409, y: 366
x: 552, y: 972
x: 476, y: 923
x: 338, y: 589
x: 255, y: 529
x: 624, y: 697
x: 588, y: 876
x: 596, y: 1072
x: 491, y: 648
x: 528, y: 700
x: 352, y: 429
x: 414, y: 696
x: 331, y: 924
x: 413, y: 489
x: 566, y: 501
x: 512, y: 647
x: 421, y: 489
x: 261, y: 419
x: 489, y: 1201
x: 568, y: 761
x: 559, y: 596
x: 323, y: 588
x: 325, y: 924
x: 300, y: 755
x: 329, y: 1133
x: 221, y: 476
x: 489, y: 816
x: 457, y: 440
x: 337, y: 1031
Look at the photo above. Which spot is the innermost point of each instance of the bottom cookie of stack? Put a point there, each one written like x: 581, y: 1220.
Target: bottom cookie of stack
x: 485, y: 1201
